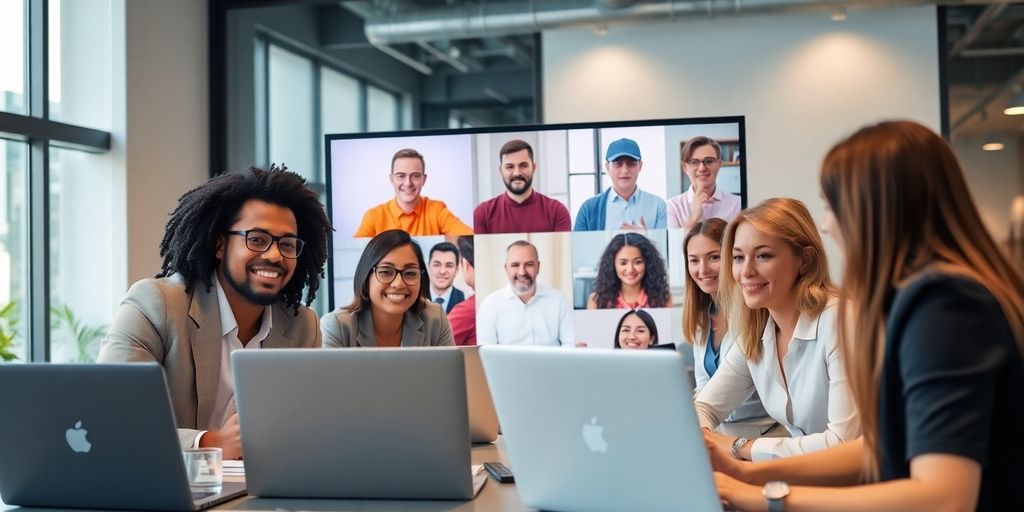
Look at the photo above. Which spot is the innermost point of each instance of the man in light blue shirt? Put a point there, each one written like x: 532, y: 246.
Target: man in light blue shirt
x: 623, y: 205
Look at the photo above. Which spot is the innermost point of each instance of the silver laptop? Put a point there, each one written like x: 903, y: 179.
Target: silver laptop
x: 355, y: 423
x: 93, y: 436
x: 483, y: 421
x: 596, y: 429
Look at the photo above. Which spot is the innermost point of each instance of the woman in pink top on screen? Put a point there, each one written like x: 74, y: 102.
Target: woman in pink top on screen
x: 630, y: 275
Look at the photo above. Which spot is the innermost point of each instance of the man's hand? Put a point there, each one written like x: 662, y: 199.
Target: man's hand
x: 700, y: 198
x: 228, y: 439
x: 639, y: 226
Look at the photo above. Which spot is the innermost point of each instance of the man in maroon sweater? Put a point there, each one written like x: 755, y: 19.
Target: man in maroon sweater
x: 462, y: 317
x: 521, y: 209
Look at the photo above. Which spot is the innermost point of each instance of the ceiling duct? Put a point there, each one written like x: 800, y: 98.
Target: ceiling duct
x: 493, y: 19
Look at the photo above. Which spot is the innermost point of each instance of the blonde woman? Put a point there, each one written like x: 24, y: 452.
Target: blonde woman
x: 933, y: 332
x: 782, y: 311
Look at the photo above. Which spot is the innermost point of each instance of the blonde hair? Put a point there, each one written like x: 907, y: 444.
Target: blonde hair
x: 696, y: 302
x: 787, y: 220
x: 902, y: 205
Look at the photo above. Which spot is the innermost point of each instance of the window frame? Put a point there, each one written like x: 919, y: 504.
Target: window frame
x: 40, y: 133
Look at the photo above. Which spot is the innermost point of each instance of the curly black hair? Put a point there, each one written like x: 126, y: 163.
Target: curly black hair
x: 654, y: 282
x: 205, y: 213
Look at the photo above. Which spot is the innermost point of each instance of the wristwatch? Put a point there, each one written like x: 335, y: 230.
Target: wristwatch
x: 775, y: 493
x: 737, y: 445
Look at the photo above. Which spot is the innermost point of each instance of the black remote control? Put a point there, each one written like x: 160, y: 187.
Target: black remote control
x: 500, y: 472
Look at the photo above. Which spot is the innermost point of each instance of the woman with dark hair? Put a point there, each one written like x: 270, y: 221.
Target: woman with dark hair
x: 630, y: 275
x: 931, y: 324
x: 390, y: 307
x: 636, y: 330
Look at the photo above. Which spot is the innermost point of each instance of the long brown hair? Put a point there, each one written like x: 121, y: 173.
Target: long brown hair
x: 789, y: 221
x: 696, y: 302
x: 902, y: 205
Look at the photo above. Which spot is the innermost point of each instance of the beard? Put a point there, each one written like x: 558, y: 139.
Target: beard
x: 523, y: 287
x: 519, y: 189
x: 245, y: 288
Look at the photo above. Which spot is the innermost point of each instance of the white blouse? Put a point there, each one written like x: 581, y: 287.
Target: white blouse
x: 751, y: 407
x: 816, y: 406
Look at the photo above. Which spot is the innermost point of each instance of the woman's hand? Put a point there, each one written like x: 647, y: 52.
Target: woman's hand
x: 720, y: 453
x: 739, y: 495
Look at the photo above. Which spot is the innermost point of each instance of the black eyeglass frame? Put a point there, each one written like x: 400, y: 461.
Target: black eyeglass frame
x: 299, y: 243
x: 398, y: 272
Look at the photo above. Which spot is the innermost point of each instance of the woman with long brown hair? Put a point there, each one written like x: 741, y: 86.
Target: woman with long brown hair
x: 932, y: 328
x: 782, y: 312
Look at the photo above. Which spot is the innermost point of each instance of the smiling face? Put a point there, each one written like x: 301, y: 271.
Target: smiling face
x: 408, y: 178
x: 765, y: 267
x: 630, y: 265
x: 634, y: 333
x: 442, y: 270
x: 396, y: 297
x: 517, y: 171
x: 703, y: 259
x: 257, y: 277
x: 623, y: 174
x: 522, y: 267
x: 703, y: 176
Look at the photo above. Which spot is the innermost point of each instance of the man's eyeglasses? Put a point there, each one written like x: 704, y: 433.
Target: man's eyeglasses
x: 386, y: 275
x: 260, y: 241
x: 708, y: 162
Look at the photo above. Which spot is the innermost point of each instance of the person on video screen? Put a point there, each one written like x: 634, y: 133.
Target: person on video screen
x: 701, y: 159
x: 623, y: 205
x: 443, y: 265
x: 521, y: 209
x: 411, y: 211
x: 463, y: 316
x: 631, y: 274
x: 525, y: 312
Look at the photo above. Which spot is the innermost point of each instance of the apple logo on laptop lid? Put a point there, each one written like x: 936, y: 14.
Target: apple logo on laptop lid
x: 75, y: 437
x: 593, y: 435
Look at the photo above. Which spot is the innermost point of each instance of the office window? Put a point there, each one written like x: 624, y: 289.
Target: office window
x: 12, y: 56
x: 13, y: 252
x: 339, y: 107
x: 381, y: 110
x: 55, y: 234
x: 80, y: 62
x: 291, y: 112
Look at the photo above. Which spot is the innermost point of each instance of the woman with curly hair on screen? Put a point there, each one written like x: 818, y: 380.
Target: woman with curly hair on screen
x: 630, y: 275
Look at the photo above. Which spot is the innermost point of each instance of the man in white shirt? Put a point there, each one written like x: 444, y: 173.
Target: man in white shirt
x: 233, y: 277
x: 525, y: 312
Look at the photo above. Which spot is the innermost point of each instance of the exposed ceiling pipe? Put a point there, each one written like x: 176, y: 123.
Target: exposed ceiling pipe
x: 982, y: 104
x: 459, y: 66
x: 986, y: 17
x: 492, y: 19
x: 365, y: 9
x: 993, y: 52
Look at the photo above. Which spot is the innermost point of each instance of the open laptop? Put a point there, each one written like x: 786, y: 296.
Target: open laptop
x: 93, y: 436
x: 483, y: 421
x: 600, y: 429
x: 355, y: 423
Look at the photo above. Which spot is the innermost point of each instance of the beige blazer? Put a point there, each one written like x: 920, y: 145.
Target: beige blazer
x: 159, y: 322
x: 430, y: 327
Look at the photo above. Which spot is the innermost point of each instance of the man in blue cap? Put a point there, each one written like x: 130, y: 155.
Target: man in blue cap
x: 623, y: 205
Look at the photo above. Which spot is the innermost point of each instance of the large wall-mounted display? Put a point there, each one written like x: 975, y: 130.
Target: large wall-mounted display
x: 585, y: 219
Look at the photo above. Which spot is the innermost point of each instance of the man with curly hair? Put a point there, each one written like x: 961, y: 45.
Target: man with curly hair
x: 238, y: 251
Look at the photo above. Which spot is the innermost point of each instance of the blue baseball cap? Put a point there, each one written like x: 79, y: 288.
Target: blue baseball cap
x: 621, y: 148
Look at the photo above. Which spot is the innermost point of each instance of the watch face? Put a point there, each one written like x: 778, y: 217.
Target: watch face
x: 776, y: 490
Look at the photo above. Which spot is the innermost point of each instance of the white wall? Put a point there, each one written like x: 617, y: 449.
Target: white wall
x: 994, y: 178
x: 161, y: 120
x: 802, y: 81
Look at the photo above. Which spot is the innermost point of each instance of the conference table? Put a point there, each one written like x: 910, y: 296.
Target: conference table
x: 493, y: 497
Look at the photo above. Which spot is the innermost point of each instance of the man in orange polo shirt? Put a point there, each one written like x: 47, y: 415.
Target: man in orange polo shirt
x: 410, y: 211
